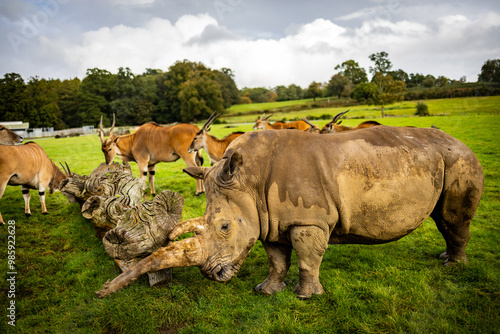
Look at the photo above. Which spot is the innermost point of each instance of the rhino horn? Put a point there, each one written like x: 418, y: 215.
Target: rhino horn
x: 184, y: 253
x: 195, y: 225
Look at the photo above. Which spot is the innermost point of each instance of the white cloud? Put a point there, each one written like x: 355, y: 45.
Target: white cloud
x: 456, y: 46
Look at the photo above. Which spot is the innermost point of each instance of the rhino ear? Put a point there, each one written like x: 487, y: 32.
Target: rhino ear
x: 233, y: 161
x: 196, y: 172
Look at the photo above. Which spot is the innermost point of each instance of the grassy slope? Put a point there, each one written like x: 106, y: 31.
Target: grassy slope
x: 456, y: 106
x: 396, y: 287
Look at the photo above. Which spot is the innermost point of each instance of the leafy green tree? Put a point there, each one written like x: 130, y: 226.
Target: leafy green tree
x: 12, y: 98
x: 415, y: 80
x: 256, y: 95
x: 382, y: 63
x: 42, y: 103
x: 490, y: 71
x: 364, y: 92
x: 187, y: 77
x: 146, y: 98
x: 290, y: 93
x: 399, y: 75
x: 282, y: 93
x: 351, y: 69
x: 337, y: 85
x: 245, y: 99
x: 230, y: 93
x: 429, y: 81
x: 422, y: 109
x: 389, y: 90
x: 296, y: 92
x: 314, y: 90
x: 200, y: 96
x: 68, y: 102
x: 442, y: 81
x: 95, y: 94
x: 122, y: 96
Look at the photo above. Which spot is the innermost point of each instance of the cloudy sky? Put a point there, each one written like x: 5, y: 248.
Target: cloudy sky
x: 265, y: 43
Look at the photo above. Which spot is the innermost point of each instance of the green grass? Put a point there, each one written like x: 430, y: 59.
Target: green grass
x: 440, y: 107
x: 400, y: 287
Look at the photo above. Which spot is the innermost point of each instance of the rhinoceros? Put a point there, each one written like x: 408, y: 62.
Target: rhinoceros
x: 303, y: 191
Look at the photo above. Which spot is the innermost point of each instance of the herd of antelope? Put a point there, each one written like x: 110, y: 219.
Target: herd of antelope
x: 30, y: 167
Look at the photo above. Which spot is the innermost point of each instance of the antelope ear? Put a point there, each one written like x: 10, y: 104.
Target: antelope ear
x: 196, y: 172
x: 116, y: 139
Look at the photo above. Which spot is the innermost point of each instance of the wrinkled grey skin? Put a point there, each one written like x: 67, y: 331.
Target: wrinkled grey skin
x: 302, y: 191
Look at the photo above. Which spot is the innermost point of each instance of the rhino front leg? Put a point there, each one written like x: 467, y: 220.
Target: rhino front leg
x: 310, y: 244
x: 279, y: 262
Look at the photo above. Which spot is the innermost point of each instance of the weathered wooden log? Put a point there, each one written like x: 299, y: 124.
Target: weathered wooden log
x: 104, y: 212
x: 111, y: 199
x: 105, y: 180
x: 144, y: 228
x: 155, y: 277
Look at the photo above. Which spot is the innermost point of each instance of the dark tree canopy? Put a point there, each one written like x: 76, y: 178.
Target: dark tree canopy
x: 351, y: 70
x: 188, y: 91
x: 382, y: 63
x: 490, y: 72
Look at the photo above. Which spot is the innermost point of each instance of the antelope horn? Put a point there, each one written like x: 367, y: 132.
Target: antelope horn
x: 268, y: 117
x: 338, y: 116
x: 112, y: 127
x: 101, y: 131
x: 309, y: 123
x: 183, y: 253
x: 210, y: 120
x: 196, y: 225
x: 64, y: 168
x: 69, y: 170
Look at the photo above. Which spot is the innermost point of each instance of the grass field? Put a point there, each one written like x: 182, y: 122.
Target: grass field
x: 447, y: 107
x: 399, y: 287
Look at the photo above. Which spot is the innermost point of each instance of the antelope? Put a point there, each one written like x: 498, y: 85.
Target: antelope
x: 312, y: 128
x: 263, y: 123
x: 151, y: 144
x: 30, y: 167
x: 214, y: 147
x: 334, y: 126
x: 9, y: 137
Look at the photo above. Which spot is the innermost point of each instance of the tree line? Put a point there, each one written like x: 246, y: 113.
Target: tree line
x: 351, y: 81
x: 190, y: 91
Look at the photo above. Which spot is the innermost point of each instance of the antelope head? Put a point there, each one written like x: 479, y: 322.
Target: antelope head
x: 198, y: 140
x: 330, y: 126
x: 108, y: 146
x: 261, y: 122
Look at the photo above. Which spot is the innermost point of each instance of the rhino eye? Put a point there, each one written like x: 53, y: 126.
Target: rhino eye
x: 225, y: 227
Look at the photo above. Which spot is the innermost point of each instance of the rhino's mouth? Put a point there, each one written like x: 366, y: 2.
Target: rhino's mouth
x: 220, y: 272
x: 221, y: 269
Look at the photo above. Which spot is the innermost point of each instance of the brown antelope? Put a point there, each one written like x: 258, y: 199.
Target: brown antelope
x: 334, y: 126
x: 214, y: 147
x: 28, y: 166
x: 9, y: 137
x: 312, y: 127
x: 263, y: 124
x: 151, y: 144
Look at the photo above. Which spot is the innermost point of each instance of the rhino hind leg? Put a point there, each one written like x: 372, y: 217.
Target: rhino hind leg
x: 279, y: 262
x: 456, y: 236
x: 310, y: 243
x: 453, y: 215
